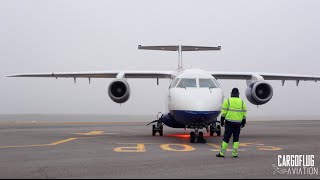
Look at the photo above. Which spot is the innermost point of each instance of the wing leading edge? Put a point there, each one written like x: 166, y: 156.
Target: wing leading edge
x: 102, y: 74
x: 170, y: 74
x: 265, y: 76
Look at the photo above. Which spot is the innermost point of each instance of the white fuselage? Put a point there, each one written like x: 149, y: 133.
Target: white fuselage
x: 194, y: 95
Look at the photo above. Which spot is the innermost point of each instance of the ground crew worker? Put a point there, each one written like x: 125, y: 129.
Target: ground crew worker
x: 233, y: 116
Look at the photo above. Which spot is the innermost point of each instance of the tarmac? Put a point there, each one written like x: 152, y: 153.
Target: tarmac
x: 128, y: 150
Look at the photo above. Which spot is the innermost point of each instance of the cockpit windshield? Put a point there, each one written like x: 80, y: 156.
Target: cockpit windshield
x: 194, y: 83
x: 187, y: 83
x: 207, y: 83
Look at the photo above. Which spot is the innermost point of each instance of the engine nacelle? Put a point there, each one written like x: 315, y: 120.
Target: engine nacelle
x: 119, y: 91
x: 259, y: 93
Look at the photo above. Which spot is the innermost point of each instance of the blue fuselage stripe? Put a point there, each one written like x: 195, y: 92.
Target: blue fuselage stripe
x: 195, y: 117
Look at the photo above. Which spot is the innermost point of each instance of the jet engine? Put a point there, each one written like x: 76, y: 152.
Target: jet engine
x: 259, y: 93
x: 119, y: 91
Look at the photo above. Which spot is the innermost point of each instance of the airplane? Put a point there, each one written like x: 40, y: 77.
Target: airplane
x: 194, y: 97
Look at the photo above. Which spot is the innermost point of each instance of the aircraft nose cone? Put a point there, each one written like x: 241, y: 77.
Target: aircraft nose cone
x: 196, y: 100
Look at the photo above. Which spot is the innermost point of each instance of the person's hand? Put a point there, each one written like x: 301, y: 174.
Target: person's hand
x: 243, y: 124
x: 222, y: 121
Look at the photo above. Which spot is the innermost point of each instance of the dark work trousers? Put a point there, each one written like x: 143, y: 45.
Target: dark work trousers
x: 232, y: 128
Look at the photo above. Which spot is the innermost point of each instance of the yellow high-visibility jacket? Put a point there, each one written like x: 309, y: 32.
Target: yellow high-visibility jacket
x: 234, y: 110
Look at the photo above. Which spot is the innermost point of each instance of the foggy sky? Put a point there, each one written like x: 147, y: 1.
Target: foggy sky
x: 57, y: 36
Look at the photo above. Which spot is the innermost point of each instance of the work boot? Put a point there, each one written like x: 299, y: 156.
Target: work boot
x: 223, y: 149
x: 219, y: 155
x: 235, y: 149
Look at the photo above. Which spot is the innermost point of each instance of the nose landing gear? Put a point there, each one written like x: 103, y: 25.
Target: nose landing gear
x: 197, y: 137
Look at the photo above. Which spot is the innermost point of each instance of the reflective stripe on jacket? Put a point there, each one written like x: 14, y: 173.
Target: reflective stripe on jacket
x: 234, y: 109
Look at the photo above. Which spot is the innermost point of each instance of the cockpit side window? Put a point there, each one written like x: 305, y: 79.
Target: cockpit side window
x: 216, y: 82
x: 207, y: 83
x: 187, y: 83
x: 174, y: 83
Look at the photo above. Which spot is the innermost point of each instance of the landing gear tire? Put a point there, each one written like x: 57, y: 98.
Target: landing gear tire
x: 192, y: 137
x: 215, y: 129
x: 211, y: 130
x: 161, y: 131
x: 156, y: 130
x: 200, y: 135
x: 201, y: 138
x: 153, y: 130
x: 219, y: 132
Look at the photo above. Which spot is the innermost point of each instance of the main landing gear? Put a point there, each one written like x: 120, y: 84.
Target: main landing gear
x: 158, y: 128
x: 214, y: 128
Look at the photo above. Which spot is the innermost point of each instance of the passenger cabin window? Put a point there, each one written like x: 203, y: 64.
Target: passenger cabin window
x: 174, y: 83
x: 207, y: 83
x: 187, y: 83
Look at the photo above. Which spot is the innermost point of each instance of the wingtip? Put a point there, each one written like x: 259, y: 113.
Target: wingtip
x: 13, y: 75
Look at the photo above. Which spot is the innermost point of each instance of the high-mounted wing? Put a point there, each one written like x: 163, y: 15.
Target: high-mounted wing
x: 119, y: 90
x: 258, y: 91
x: 102, y: 74
x: 266, y: 76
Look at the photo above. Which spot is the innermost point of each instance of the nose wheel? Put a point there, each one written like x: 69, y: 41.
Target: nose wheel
x: 197, y: 137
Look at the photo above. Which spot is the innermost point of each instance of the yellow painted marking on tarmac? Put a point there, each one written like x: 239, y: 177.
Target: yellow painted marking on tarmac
x: 269, y: 148
x: 214, y: 145
x: 40, y: 145
x: 36, y: 145
x: 137, y: 148
x: 250, y: 144
x: 136, y: 143
x: 217, y: 148
x: 62, y: 141
x: 168, y: 147
x: 260, y: 147
x: 92, y: 133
